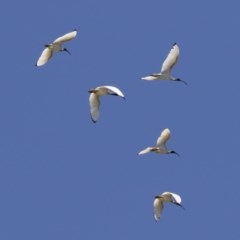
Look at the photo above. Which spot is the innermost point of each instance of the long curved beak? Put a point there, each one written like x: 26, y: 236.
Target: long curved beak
x: 66, y: 51
x: 179, y: 205
x: 177, y: 154
x: 180, y: 80
x: 174, y: 153
x: 183, y: 82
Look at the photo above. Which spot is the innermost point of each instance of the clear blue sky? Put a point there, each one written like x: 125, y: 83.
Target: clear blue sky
x: 64, y: 177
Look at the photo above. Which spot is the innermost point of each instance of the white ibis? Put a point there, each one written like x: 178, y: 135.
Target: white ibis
x: 161, y: 199
x: 94, y: 98
x: 168, y: 64
x: 55, y: 46
x: 160, y: 145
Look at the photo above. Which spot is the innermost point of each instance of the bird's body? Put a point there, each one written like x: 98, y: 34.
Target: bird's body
x: 55, y: 46
x: 160, y: 145
x: 168, y: 64
x: 159, y: 201
x: 94, y: 98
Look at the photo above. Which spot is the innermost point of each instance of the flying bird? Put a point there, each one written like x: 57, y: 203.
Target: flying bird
x: 55, y: 46
x: 94, y: 98
x: 160, y: 145
x: 161, y: 199
x: 168, y: 64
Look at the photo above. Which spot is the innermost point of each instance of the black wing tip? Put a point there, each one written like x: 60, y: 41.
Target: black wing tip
x: 175, y: 44
x: 94, y: 121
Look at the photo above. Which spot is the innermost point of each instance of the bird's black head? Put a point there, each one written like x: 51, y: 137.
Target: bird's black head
x: 172, y: 151
x: 65, y: 50
x: 180, y: 80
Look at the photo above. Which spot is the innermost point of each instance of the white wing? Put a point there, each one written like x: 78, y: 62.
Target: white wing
x: 158, y: 207
x: 149, y: 78
x: 45, y: 56
x: 94, y: 106
x: 169, y: 196
x: 176, y: 197
x: 146, y: 150
x: 114, y: 90
x: 66, y: 37
x: 171, y: 59
x: 163, y: 138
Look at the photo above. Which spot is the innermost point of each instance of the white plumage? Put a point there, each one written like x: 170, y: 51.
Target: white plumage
x: 55, y: 46
x: 161, y: 199
x: 168, y: 64
x: 160, y: 145
x: 94, y: 98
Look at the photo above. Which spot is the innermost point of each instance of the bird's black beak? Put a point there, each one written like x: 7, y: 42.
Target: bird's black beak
x: 66, y: 51
x: 179, y: 205
x: 180, y: 80
x: 174, y: 153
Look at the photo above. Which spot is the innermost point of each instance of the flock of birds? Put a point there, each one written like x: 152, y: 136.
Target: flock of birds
x: 94, y: 101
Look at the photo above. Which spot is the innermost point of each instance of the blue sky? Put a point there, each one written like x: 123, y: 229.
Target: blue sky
x: 64, y: 177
